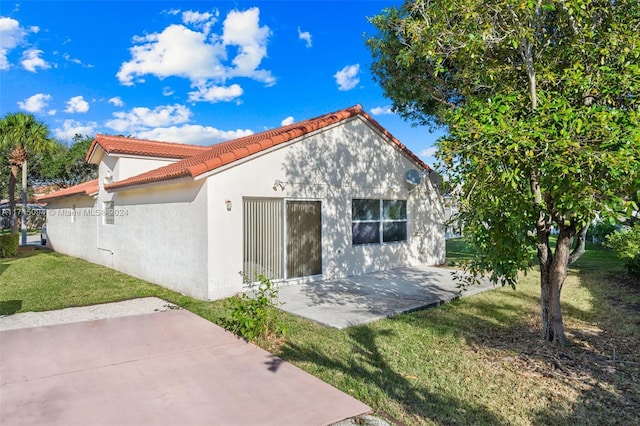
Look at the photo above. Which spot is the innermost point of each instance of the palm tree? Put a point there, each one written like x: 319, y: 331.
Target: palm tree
x: 22, y: 136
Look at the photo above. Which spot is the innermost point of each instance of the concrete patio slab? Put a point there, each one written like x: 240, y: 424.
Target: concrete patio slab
x: 164, y: 368
x: 358, y: 300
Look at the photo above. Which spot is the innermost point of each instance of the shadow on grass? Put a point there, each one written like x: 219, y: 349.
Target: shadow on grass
x: 369, y: 365
x: 10, y: 307
x: 5, y: 262
x: 582, y: 384
x: 601, y: 365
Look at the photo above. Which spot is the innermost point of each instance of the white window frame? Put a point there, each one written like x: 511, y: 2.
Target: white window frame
x: 108, y: 217
x: 381, y: 222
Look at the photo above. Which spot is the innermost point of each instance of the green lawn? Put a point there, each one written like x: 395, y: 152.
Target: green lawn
x: 478, y: 360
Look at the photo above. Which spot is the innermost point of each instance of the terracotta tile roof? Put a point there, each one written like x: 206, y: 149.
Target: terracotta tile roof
x: 132, y: 146
x: 86, y: 188
x: 227, y: 152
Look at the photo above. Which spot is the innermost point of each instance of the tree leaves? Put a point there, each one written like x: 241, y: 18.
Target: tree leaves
x: 541, y: 99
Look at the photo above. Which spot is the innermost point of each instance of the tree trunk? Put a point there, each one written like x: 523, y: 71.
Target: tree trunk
x: 24, y: 203
x: 553, y: 272
x: 12, y: 199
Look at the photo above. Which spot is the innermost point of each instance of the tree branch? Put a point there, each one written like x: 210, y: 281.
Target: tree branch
x: 579, y: 250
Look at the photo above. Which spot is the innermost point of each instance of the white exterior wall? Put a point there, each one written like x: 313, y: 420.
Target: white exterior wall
x: 160, y: 235
x: 133, y: 166
x: 180, y: 235
x: 351, y: 160
x: 69, y: 234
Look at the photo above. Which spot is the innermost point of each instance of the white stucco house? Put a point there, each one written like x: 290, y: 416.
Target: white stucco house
x: 325, y: 198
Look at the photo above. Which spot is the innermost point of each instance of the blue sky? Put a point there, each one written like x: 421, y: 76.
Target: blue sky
x: 193, y: 72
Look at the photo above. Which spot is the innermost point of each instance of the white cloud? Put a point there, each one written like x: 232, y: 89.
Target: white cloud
x: 347, y: 78
x: 77, y: 104
x: 167, y: 91
x: 70, y: 128
x: 116, y: 101
x: 31, y: 60
x: 215, y: 94
x: 384, y: 110
x: 201, y: 58
x: 35, y: 103
x: 306, y: 36
x: 141, y: 119
x: 287, y: 121
x: 176, y: 51
x: 194, y: 17
x: 34, y: 29
x: 429, y: 152
x: 243, y: 29
x: 11, y: 35
x: 192, y: 134
x: 200, y: 20
x: 68, y: 58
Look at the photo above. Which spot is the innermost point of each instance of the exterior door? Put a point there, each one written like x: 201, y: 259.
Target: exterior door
x: 263, y: 239
x: 304, y: 238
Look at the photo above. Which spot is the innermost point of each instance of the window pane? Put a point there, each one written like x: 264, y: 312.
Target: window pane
x: 394, y: 209
x: 394, y: 231
x: 365, y: 209
x: 108, y: 212
x: 366, y: 232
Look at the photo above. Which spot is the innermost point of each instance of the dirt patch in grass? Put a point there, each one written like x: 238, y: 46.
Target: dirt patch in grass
x: 596, y: 378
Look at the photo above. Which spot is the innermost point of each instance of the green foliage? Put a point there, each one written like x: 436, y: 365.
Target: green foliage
x: 626, y: 244
x: 65, y: 165
x: 254, y: 314
x: 9, y: 245
x: 598, y: 232
x: 22, y: 138
x: 541, y: 101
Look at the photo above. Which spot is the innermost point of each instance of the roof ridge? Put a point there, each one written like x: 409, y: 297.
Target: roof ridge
x: 138, y: 140
x: 143, y: 147
x: 87, y: 188
x: 230, y: 151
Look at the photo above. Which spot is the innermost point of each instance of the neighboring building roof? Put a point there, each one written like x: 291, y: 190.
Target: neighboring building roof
x: 227, y: 152
x: 144, y: 148
x: 86, y: 188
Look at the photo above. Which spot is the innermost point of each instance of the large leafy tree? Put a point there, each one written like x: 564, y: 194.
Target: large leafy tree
x: 65, y: 164
x: 541, y: 101
x: 22, y: 136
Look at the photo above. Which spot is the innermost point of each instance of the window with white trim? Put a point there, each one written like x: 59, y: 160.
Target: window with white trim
x: 378, y: 221
x: 108, y: 213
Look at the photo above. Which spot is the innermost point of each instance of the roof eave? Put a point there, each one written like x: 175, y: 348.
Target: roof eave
x: 114, y: 187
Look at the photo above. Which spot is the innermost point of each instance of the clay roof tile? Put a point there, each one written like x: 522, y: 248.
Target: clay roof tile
x: 145, y: 148
x: 86, y: 188
x: 227, y: 152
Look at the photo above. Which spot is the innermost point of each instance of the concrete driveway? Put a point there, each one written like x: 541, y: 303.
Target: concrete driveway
x: 164, y: 368
x: 358, y: 300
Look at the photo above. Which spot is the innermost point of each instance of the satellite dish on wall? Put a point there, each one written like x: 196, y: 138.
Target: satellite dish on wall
x: 413, y: 177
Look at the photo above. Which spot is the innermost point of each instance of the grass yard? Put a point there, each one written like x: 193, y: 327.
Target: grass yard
x: 478, y: 360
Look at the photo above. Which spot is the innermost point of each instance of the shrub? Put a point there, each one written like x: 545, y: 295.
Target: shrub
x: 626, y: 244
x: 254, y: 314
x: 599, y: 232
x: 9, y: 245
